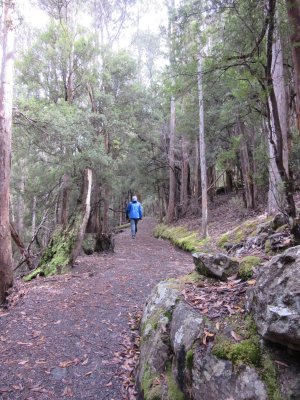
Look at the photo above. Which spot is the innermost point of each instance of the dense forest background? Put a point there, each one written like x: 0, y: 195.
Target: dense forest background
x: 174, y: 101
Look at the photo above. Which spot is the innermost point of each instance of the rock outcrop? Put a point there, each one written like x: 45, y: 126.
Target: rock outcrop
x: 177, y: 359
x: 275, y: 299
x: 219, y: 266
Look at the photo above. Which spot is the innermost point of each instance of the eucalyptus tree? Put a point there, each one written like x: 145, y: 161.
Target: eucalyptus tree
x: 293, y: 8
x: 8, y: 21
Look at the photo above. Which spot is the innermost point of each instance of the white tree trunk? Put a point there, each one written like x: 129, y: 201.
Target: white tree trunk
x: 6, y: 95
x: 172, y: 178
x: 276, y: 192
x: 202, y: 147
x: 281, y: 97
x: 86, y: 210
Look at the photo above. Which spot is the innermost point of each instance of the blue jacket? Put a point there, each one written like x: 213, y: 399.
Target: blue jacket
x: 134, y: 210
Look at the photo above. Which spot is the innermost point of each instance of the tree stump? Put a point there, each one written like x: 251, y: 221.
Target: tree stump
x: 104, y: 242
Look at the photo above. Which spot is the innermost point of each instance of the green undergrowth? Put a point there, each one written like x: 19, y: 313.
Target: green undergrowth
x: 240, y: 233
x: 247, y: 350
x: 182, y: 238
x: 247, y: 265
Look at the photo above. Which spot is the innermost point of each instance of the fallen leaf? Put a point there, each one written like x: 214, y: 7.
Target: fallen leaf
x: 235, y: 336
x: 68, y: 392
x: 23, y: 362
x: 108, y: 384
x: 66, y: 364
x: 206, y: 336
x: 251, y: 282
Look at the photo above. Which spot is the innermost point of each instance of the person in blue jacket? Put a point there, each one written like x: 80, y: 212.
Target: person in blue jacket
x: 134, y: 212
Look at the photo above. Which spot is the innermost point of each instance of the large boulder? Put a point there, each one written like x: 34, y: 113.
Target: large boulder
x: 177, y: 361
x: 215, y: 378
x: 275, y: 299
x: 217, y: 266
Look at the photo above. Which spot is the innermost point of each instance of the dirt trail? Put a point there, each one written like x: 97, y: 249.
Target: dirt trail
x: 59, y: 340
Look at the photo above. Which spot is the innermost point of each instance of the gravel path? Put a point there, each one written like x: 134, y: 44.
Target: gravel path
x: 59, y: 339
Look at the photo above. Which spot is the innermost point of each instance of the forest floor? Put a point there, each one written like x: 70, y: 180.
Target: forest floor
x: 64, y: 336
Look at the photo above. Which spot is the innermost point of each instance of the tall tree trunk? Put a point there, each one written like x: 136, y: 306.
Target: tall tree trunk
x: 21, y: 205
x: 293, y: 7
x: 276, y: 195
x: 106, y: 201
x: 171, y: 156
x: 202, y: 146
x: 197, y: 173
x: 184, y: 177
x: 85, y: 212
x: 33, y: 217
x: 245, y: 166
x: 275, y: 192
x: 6, y: 97
x: 280, y: 91
x: 63, y: 201
x: 210, y: 182
x: 273, y: 115
x: 228, y: 181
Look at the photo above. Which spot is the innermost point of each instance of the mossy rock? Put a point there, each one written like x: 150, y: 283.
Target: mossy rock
x: 245, y: 352
x: 240, y: 233
x: 189, y: 359
x: 182, y: 238
x: 174, y: 392
x: 248, y: 351
x: 247, y: 265
x: 151, y: 386
x: 192, y: 277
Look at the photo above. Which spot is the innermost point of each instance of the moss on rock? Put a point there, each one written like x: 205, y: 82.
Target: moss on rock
x: 247, y: 265
x: 174, y: 392
x: 192, y: 277
x: 147, y: 381
x: 189, y: 359
x: 240, y: 233
x: 182, y: 238
x: 245, y: 352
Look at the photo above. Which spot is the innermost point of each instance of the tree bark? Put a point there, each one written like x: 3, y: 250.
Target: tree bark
x: 211, y: 182
x: 184, y: 189
x: 65, y: 244
x: 62, y: 212
x: 85, y: 212
x: 171, y: 157
x: 6, y: 97
x: 21, y: 205
x: 228, y: 181
x: 246, y: 167
x: 293, y: 8
x: 197, y: 174
x: 273, y: 115
x: 202, y: 146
